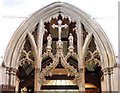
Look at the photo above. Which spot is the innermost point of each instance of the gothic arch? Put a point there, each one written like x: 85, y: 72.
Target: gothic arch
x: 45, y: 14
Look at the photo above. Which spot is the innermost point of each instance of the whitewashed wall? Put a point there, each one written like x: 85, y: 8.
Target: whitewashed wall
x: 2, y: 75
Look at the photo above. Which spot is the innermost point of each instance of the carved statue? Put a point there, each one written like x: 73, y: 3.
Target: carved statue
x: 70, y: 40
x: 49, y: 41
x: 59, y: 26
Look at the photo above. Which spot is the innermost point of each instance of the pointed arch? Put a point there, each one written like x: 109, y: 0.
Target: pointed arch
x: 83, y: 23
x: 52, y: 10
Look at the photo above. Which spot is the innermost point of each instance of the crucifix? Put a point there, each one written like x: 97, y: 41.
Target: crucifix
x: 59, y: 26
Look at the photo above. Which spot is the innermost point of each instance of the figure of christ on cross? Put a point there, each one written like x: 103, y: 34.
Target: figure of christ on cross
x: 59, y: 26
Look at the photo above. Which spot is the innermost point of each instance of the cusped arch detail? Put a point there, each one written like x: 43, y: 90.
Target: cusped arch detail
x: 51, y: 11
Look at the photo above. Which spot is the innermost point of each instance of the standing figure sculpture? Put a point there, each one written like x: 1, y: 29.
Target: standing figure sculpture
x: 49, y: 41
x: 70, y: 40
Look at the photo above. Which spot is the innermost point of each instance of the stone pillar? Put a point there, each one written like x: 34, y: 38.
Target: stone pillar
x: 37, y: 85
x: 82, y: 85
x: 17, y: 84
x: 7, y: 76
x: 108, y: 78
x: 102, y: 83
x: 112, y: 79
x: 13, y: 75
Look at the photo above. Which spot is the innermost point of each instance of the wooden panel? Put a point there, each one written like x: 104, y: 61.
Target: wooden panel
x: 59, y: 72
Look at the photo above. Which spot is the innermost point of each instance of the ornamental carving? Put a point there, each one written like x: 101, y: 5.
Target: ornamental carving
x: 60, y: 44
x: 26, y: 58
x: 59, y: 55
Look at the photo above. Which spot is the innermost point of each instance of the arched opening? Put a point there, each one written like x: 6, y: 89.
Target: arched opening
x: 93, y: 72
x: 59, y: 78
x: 25, y: 74
x: 60, y: 48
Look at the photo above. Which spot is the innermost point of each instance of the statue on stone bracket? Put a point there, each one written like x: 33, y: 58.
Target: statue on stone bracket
x: 49, y: 42
x: 70, y: 38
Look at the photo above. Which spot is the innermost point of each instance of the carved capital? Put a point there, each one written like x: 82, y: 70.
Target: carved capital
x: 81, y: 70
x: 108, y: 71
x: 37, y: 70
x: 7, y: 70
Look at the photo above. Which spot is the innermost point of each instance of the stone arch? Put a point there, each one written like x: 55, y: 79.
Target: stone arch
x: 44, y: 15
x: 55, y: 8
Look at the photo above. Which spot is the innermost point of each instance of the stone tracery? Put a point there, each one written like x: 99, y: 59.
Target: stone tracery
x: 59, y: 56
x: 88, y: 50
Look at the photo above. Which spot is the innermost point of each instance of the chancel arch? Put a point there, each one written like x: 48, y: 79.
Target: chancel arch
x: 60, y: 43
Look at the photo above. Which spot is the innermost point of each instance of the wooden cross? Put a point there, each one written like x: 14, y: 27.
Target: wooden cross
x: 59, y: 26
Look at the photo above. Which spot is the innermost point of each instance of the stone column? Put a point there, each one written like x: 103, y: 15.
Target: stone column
x: 40, y: 34
x: 107, y: 78
x: 102, y: 83
x: 17, y: 84
x: 13, y: 73
x: 37, y: 85
x: 112, y: 79
x: 81, y: 60
x: 82, y: 85
x: 7, y: 76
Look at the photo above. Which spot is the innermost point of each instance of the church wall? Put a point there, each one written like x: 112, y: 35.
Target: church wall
x: 2, y: 75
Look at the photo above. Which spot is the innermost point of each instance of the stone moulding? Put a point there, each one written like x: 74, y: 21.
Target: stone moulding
x: 46, y: 13
x: 103, y: 45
